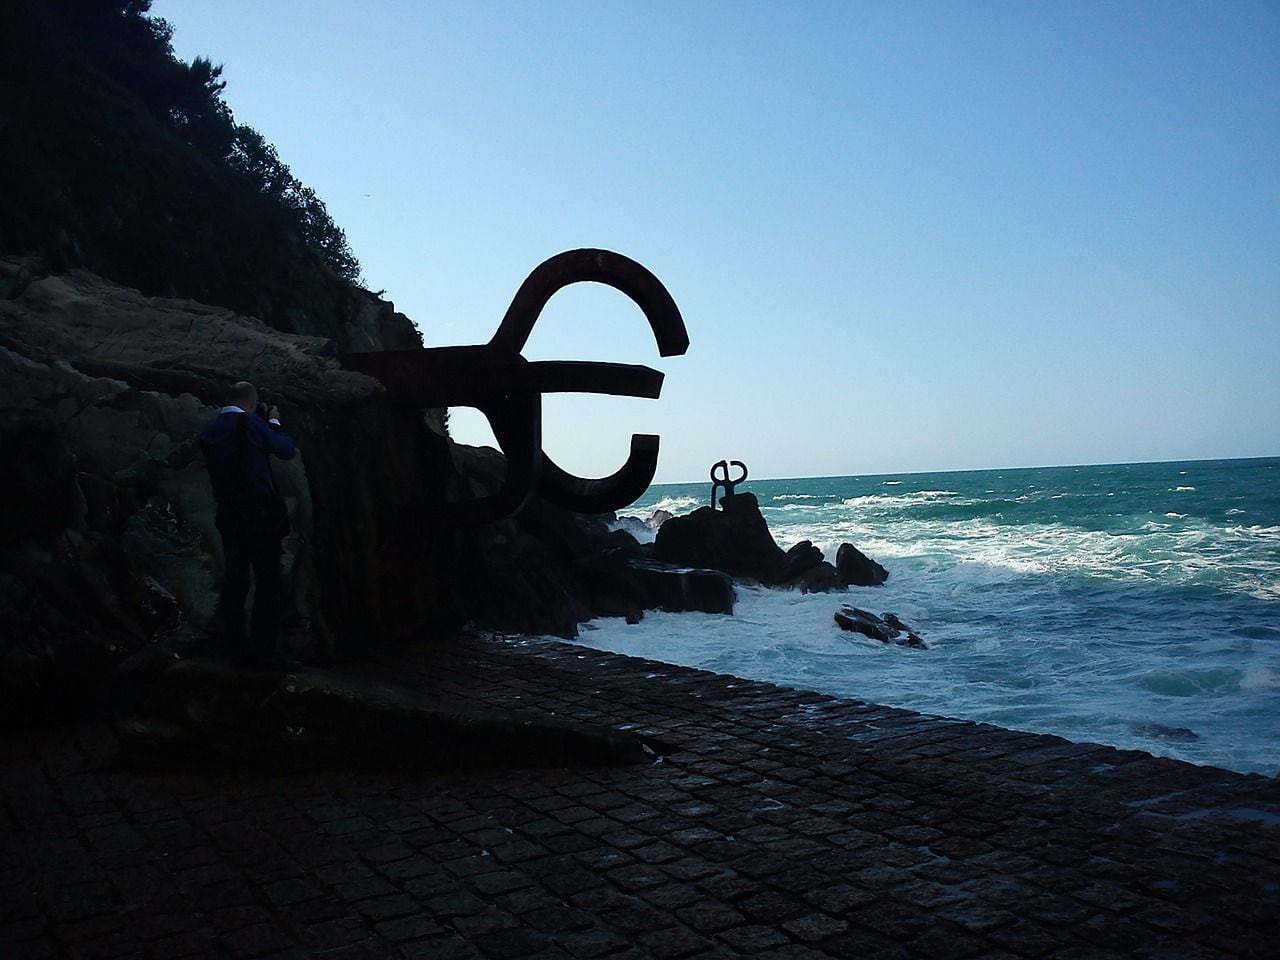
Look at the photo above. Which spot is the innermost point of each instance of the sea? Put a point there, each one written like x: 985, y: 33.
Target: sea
x: 1135, y: 605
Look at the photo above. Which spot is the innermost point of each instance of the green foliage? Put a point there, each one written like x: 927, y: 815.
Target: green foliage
x: 117, y: 156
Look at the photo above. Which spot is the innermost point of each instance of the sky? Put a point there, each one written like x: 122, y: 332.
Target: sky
x: 904, y: 237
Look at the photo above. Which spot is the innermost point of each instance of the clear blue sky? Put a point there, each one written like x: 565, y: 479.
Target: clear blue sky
x: 904, y: 236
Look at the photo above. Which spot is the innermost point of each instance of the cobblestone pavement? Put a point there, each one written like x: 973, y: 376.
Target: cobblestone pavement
x: 785, y: 825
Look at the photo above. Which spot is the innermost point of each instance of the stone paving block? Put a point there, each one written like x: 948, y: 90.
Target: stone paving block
x: 1029, y: 939
x: 710, y: 917
x: 256, y: 940
x: 489, y: 920
x: 386, y: 907
x: 814, y: 927
x: 572, y: 881
x: 409, y: 928
x: 672, y: 896
x: 557, y: 919
x: 689, y: 868
x: 944, y: 942
x: 363, y: 888
x: 674, y: 943
x: 623, y: 839
x: 634, y: 916
x: 638, y: 876
x: 752, y: 938
x: 589, y: 944
x: 328, y: 935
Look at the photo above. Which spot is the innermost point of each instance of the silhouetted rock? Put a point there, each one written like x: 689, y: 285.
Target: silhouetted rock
x: 678, y: 589
x: 854, y: 568
x: 799, y: 560
x: 736, y: 540
x: 886, y: 629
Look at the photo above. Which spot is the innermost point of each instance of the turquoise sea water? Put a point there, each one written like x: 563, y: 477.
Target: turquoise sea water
x: 1136, y: 605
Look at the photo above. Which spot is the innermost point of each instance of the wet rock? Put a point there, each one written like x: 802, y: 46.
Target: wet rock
x: 1164, y: 732
x: 797, y: 561
x: 678, y: 589
x: 855, y: 569
x: 887, y: 628
x: 736, y: 540
x: 805, y: 569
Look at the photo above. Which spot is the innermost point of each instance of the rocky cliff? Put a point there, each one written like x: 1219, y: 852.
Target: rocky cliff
x: 152, y: 251
x: 108, y: 545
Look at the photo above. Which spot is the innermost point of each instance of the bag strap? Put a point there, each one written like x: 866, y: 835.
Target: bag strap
x: 240, y: 461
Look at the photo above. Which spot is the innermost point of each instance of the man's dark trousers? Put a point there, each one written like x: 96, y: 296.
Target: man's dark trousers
x: 247, y: 551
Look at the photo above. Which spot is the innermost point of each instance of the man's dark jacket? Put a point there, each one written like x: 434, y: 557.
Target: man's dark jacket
x: 220, y: 439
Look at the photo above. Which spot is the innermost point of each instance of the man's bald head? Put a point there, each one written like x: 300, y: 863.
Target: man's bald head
x: 243, y: 395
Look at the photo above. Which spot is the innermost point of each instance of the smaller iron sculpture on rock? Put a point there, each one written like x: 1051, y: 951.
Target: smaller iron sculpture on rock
x: 720, y: 479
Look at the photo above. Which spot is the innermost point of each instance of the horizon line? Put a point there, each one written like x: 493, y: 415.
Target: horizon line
x: 911, y: 473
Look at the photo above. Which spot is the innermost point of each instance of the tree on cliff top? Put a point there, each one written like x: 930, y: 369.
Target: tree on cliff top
x: 117, y: 156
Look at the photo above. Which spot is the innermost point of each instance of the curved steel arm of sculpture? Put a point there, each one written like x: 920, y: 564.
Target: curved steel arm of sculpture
x: 504, y: 386
x: 620, y: 488
x: 602, y: 266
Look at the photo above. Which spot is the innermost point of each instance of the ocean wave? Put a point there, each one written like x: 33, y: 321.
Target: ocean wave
x: 638, y: 528
x: 1184, y: 489
x: 1258, y: 677
x: 902, y: 499
x: 676, y: 505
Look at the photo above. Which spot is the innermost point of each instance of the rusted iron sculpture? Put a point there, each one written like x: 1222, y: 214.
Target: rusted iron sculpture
x: 720, y: 480
x: 504, y: 386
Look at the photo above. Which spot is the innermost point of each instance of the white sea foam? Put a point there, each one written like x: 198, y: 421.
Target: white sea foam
x: 642, y: 531
x: 673, y: 505
x: 900, y: 499
x: 1258, y: 677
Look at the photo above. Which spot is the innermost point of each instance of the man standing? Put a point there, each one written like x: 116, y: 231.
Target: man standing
x: 252, y: 519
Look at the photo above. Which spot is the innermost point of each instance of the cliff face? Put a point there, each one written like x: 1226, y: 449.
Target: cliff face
x: 108, y: 544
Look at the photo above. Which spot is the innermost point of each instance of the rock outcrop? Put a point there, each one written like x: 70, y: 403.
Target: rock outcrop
x: 887, y: 628
x: 108, y: 543
x: 737, y: 540
x: 855, y: 569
